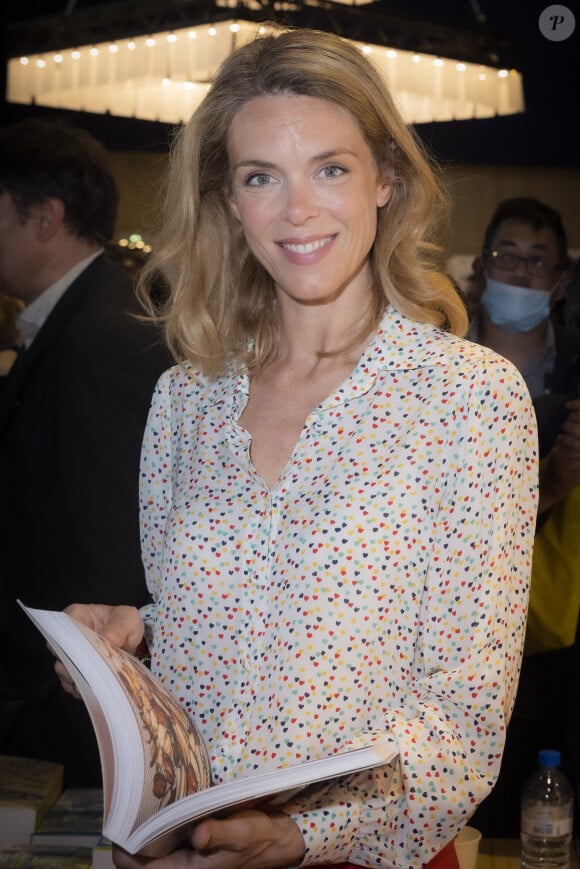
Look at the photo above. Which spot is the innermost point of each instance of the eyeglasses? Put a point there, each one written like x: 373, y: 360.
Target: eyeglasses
x: 537, y: 264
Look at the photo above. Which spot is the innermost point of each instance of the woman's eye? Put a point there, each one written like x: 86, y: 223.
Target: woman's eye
x: 258, y: 179
x: 333, y: 171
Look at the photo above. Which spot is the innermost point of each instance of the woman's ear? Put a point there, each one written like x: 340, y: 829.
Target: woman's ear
x: 234, y: 209
x: 229, y: 197
x: 384, y: 190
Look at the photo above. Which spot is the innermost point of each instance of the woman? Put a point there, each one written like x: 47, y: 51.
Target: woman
x: 338, y: 494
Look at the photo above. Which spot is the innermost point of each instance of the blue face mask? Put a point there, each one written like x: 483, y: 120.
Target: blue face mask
x: 518, y: 309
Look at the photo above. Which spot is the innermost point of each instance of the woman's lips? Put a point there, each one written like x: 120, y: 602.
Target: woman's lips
x: 306, y: 250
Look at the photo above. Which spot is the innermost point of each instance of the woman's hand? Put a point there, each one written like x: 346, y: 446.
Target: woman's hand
x: 121, y: 625
x: 245, y: 840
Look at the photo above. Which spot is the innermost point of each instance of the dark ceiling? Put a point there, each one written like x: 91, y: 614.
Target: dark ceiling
x: 546, y: 134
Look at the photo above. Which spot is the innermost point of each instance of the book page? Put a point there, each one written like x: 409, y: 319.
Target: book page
x: 124, y: 699
x: 176, y: 760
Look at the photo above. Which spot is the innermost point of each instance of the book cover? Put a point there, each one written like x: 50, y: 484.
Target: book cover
x: 28, y: 789
x: 40, y: 857
x: 156, y: 771
x: 76, y: 819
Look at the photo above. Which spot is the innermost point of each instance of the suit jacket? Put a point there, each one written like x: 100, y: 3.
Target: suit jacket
x: 72, y: 413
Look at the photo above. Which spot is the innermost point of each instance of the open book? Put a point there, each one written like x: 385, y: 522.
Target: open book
x: 156, y: 770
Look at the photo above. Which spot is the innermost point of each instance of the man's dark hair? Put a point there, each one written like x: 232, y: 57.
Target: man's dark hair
x: 533, y: 212
x: 40, y: 159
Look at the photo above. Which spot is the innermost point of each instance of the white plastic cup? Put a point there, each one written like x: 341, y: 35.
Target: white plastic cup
x: 466, y: 847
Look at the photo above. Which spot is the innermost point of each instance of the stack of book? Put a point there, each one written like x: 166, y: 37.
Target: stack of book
x: 75, y: 820
x: 43, y: 826
x: 28, y: 790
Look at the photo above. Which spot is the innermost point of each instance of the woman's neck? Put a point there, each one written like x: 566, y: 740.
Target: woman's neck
x: 313, y: 336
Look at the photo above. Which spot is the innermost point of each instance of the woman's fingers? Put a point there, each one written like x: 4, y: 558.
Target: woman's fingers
x: 121, y: 625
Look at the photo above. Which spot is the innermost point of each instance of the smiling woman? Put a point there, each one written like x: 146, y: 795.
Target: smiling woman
x: 237, y: 290
x: 337, y: 493
x: 306, y: 189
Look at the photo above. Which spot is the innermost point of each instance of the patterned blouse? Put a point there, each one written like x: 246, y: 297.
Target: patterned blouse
x: 380, y: 585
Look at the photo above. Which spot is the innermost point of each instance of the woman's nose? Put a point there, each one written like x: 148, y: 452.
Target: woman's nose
x: 300, y: 203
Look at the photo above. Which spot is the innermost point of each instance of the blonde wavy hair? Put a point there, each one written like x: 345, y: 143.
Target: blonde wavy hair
x: 219, y: 307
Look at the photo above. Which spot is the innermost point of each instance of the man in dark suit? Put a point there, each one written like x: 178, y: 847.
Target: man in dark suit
x: 72, y: 412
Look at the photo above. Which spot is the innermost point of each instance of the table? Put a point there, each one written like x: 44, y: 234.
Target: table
x: 505, y: 854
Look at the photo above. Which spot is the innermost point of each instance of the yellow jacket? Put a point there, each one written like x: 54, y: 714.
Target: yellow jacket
x: 555, y: 590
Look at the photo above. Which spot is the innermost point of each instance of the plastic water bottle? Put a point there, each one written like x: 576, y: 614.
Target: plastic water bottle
x: 546, y: 818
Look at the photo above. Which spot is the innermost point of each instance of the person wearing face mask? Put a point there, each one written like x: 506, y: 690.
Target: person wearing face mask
x: 522, y: 274
x: 512, y: 307
x: 521, y: 277
x: 522, y: 271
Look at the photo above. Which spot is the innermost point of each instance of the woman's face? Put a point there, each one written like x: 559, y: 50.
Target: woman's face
x: 306, y: 189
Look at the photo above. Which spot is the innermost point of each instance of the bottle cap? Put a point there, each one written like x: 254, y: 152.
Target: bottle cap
x: 548, y: 757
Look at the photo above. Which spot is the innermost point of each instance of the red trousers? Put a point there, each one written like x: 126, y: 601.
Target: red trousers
x: 445, y: 859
